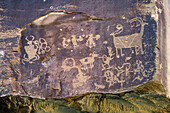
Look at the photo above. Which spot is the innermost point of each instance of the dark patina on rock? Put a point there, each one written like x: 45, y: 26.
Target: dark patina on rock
x: 69, y: 53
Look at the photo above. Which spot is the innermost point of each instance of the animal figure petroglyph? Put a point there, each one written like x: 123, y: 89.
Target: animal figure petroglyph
x: 87, y: 62
x: 128, y: 41
x: 34, y: 49
x: 98, y: 86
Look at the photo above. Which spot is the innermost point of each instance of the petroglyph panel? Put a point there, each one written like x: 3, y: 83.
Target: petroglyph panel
x: 87, y: 56
x: 69, y: 53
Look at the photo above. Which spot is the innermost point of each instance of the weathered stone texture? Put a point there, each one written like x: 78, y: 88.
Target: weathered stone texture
x: 88, y: 46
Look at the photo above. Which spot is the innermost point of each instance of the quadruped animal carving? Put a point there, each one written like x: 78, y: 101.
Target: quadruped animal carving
x: 98, y: 86
x: 87, y: 62
x: 128, y: 41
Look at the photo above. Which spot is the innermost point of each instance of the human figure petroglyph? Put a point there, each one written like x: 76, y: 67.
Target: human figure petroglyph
x: 140, y: 70
x: 34, y: 49
x: 87, y: 62
x: 65, y: 42
x: 68, y: 64
x: 121, y: 75
x: 80, y: 79
x: 107, y: 59
x: 75, y: 39
x: 111, y: 78
x: 31, y: 50
x: 128, y: 41
x: 125, y: 68
x: 90, y: 42
x: 139, y: 67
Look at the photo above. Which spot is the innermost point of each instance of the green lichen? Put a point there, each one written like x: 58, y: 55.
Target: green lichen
x: 151, y: 87
x: 147, y: 98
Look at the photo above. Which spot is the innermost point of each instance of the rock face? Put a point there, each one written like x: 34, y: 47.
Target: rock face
x: 67, y: 53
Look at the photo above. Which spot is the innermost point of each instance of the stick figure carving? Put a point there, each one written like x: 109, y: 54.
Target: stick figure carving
x: 128, y: 41
x: 118, y: 74
x: 110, y: 77
x: 106, y: 59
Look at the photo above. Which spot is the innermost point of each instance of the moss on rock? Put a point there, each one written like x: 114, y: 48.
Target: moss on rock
x: 91, y: 103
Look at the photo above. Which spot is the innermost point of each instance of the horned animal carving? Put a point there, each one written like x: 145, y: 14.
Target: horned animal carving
x: 87, y: 62
x: 128, y: 41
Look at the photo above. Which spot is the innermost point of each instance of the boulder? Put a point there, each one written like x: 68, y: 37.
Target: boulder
x: 84, y: 47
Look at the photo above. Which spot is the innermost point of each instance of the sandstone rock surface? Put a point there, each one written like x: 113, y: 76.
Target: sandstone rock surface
x: 77, y: 48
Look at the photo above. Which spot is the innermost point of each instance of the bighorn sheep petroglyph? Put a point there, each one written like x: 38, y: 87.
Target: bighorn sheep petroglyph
x: 128, y: 41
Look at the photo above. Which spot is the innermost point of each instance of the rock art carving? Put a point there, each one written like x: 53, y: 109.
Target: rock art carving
x: 87, y: 62
x: 65, y: 42
x: 128, y: 41
x: 98, y: 86
x: 75, y: 39
x: 34, y: 49
x: 122, y: 73
x: 107, y: 59
x: 80, y: 78
x: 139, y: 68
x: 68, y: 64
x: 110, y: 77
x: 69, y: 68
x: 90, y: 42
